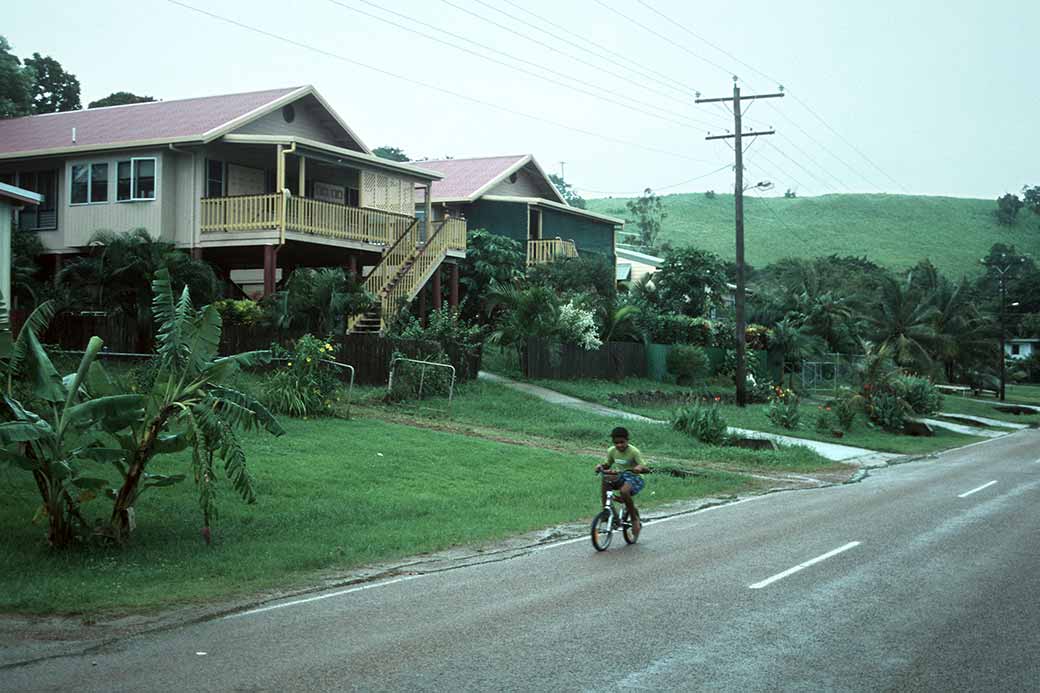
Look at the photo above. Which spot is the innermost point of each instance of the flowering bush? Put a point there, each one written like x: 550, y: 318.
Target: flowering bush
x: 303, y: 386
x: 703, y: 422
x: 825, y: 419
x: 578, y: 326
x: 783, y: 408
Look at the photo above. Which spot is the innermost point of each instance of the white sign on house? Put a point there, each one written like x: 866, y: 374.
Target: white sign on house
x: 245, y: 180
x: 327, y: 192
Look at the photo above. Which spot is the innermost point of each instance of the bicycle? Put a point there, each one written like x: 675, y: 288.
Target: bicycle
x: 608, y: 519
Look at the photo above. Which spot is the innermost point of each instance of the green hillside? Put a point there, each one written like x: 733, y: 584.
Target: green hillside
x: 892, y: 230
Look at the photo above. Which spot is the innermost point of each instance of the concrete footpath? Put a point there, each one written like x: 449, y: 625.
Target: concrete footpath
x: 830, y: 451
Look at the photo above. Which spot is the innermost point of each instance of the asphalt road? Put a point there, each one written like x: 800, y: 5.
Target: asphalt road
x: 923, y: 577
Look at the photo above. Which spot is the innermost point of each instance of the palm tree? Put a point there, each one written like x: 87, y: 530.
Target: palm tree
x: 902, y: 323
x: 117, y: 274
x: 520, y: 313
x: 961, y: 331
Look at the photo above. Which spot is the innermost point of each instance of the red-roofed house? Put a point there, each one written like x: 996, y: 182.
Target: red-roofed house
x: 512, y: 196
x: 273, y: 179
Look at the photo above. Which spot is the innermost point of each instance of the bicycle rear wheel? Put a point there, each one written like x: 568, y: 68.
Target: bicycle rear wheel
x: 601, y: 531
x: 627, y: 532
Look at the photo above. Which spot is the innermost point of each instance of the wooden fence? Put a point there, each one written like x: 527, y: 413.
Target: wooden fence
x: 567, y: 362
x: 370, y: 354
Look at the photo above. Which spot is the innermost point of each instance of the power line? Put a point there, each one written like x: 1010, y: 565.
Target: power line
x: 607, y: 96
x: 661, y: 36
x: 641, y: 85
x: 812, y: 175
x: 440, y: 90
x: 659, y: 187
x: 640, y: 69
x: 794, y: 96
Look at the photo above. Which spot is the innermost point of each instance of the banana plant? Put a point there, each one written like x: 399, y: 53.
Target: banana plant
x: 190, y: 406
x: 61, y: 444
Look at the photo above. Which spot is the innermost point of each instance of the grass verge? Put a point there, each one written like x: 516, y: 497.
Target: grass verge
x: 333, y: 495
x: 754, y: 417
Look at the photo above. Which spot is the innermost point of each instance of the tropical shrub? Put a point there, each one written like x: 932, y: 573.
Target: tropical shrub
x: 318, y: 300
x: 703, y: 422
x: 845, y: 407
x: 825, y: 419
x: 672, y: 328
x: 920, y: 395
x: 689, y: 364
x: 240, y: 312
x: 303, y: 386
x: 783, y: 408
x: 888, y: 410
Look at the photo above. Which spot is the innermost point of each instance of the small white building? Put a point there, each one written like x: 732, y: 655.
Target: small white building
x: 1021, y: 347
x: 11, y: 198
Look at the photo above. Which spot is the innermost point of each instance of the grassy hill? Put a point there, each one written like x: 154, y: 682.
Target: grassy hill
x: 892, y: 230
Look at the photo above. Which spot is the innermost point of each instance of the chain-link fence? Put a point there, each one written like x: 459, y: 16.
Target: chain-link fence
x: 827, y: 375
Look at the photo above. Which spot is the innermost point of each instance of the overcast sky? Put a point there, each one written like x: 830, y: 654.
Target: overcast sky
x: 928, y: 97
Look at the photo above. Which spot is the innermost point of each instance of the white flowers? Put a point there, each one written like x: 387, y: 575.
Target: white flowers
x: 578, y: 326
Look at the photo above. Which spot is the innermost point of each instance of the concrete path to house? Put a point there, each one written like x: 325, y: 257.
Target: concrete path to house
x: 830, y: 451
x: 961, y: 428
x: 984, y: 421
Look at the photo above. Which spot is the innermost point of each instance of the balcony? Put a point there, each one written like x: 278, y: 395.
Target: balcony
x: 550, y: 250
x: 313, y: 217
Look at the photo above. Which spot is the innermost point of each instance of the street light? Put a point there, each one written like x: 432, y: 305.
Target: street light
x: 1003, y: 269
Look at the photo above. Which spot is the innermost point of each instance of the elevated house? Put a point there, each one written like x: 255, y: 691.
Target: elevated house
x: 270, y: 179
x: 512, y: 196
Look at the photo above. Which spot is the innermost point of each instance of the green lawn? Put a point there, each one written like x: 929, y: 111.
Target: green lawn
x: 518, y: 416
x: 333, y: 495
x: 1023, y: 394
x: 963, y: 405
x: 754, y: 417
x: 893, y: 230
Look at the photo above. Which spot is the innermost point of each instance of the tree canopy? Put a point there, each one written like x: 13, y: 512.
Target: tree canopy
x: 391, y: 153
x: 567, y: 191
x: 15, y: 84
x: 120, y: 98
x: 54, y: 89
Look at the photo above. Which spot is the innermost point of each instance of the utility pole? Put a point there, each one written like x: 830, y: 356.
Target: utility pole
x: 1002, y: 271
x: 738, y: 202
x: 562, y: 174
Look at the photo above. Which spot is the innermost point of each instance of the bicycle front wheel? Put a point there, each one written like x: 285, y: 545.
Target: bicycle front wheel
x: 601, y: 531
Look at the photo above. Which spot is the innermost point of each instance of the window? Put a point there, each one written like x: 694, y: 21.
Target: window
x: 1016, y: 350
x: 89, y: 183
x: 135, y: 180
x: 44, y: 216
x: 214, y: 178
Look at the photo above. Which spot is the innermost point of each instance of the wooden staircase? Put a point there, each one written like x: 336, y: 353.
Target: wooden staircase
x: 399, y: 276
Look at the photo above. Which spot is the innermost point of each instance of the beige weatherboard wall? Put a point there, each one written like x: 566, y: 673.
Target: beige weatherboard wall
x: 11, y: 198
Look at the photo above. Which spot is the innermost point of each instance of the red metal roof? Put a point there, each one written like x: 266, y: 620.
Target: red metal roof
x: 464, y: 177
x: 114, y: 125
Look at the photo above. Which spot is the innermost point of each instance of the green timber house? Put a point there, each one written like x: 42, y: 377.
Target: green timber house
x: 512, y: 196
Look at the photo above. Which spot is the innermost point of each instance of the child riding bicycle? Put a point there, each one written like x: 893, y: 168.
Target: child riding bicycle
x: 626, y: 481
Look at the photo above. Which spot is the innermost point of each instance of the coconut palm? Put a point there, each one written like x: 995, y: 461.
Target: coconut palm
x: 962, y: 333
x: 901, y: 322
